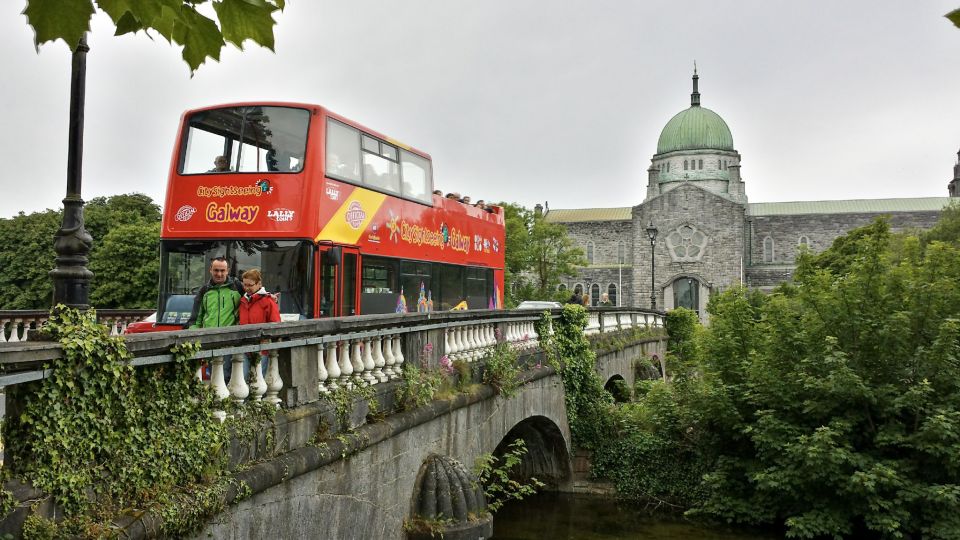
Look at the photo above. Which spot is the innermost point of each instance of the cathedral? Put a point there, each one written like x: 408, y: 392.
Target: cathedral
x: 695, y: 233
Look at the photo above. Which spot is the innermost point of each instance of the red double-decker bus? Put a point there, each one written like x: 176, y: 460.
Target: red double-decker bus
x: 340, y: 219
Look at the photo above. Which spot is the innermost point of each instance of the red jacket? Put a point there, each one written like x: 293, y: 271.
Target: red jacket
x: 259, y: 308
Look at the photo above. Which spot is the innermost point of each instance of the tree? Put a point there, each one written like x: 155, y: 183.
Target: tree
x: 538, y: 254
x: 177, y: 21
x: 125, y: 258
x: 126, y: 266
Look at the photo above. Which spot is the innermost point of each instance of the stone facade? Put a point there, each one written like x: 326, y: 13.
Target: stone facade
x: 709, y: 237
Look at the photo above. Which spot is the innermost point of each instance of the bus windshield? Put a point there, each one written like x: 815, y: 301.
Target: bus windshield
x: 286, y: 266
x: 245, y: 139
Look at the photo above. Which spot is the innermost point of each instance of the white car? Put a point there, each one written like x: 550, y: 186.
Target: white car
x: 539, y: 304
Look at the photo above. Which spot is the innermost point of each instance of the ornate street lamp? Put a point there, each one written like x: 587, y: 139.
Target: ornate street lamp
x: 71, y: 278
x: 652, y: 235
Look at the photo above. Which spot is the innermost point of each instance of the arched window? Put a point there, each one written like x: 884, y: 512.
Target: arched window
x: 589, y: 252
x: 594, y: 294
x: 562, y: 287
x: 686, y: 293
x: 578, y: 289
x: 612, y: 294
x: 621, y: 253
x: 684, y: 164
x: 700, y: 164
x: 803, y: 241
x: 768, y: 250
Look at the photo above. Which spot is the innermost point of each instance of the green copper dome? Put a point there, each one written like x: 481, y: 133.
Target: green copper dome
x: 696, y: 128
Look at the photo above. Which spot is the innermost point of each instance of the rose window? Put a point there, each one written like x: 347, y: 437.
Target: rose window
x: 686, y: 243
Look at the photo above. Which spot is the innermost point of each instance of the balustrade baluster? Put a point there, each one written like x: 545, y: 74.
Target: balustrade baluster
x: 258, y: 385
x: 321, y: 371
x: 378, y: 360
x: 333, y: 368
x: 398, y: 351
x: 461, y: 346
x: 472, y: 344
x: 346, y: 365
x: 392, y: 370
x: 358, y: 376
x: 3, y: 331
x: 218, y: 385
x: 368, y: 364
x: 274, y: 382
x: 447, y: 346
x: 238, y: 383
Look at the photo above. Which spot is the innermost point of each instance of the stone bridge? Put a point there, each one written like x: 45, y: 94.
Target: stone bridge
x: 332, y: 473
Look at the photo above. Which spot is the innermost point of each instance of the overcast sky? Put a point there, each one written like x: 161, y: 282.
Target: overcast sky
x: 560, y: 101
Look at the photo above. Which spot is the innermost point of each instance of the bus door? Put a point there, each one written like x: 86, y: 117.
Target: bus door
x: 337, y: 276
x: 350, y: 281
x: 328, y: 265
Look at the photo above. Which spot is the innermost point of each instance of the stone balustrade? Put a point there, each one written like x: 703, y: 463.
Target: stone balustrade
x: 15, y: 325
x: 295, y: 363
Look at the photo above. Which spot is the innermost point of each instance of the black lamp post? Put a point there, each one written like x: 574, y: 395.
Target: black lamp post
x: 71, y: 278
x: 652, y: 235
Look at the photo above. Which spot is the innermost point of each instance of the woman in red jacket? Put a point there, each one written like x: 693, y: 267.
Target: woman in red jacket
x: 256, y: 304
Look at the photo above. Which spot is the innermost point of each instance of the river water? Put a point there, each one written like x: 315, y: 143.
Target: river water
x: 580, y: 517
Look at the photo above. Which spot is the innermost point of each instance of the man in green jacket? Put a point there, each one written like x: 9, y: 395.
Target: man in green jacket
x: 217, y: 302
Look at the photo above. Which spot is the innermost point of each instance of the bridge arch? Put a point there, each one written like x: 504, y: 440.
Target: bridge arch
x: 618, y: 388
x: 547, y: 458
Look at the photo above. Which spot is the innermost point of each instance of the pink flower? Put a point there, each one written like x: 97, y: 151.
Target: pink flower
x: 446, y: 364
x: 428, y: 348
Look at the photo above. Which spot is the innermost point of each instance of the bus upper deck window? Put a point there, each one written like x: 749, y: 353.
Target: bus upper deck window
x: 245, y: 139
x: 415, y: 172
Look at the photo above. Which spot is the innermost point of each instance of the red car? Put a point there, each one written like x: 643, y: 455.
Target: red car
x: 175, y: 316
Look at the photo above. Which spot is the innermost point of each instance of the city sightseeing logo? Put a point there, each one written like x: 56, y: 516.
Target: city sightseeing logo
x: 355, y: 214
x: 185, y: 213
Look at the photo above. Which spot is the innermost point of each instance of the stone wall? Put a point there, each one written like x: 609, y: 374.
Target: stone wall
x: 717, y: 264
x: 605, y: 236
x: 820, y: 229
x: 368, y: 494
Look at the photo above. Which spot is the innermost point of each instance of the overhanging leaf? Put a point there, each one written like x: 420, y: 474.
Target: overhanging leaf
x: 200, y: 37
x: 954, y: 17
x: 127, y: 24
x: 59, y: 19
x: 241, y: 20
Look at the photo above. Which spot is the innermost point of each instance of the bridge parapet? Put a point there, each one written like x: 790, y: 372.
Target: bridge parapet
x: 15, y: 325
x: 302, y: 360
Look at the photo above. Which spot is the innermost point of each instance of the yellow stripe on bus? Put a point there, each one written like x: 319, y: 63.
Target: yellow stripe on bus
x: 352, y: 218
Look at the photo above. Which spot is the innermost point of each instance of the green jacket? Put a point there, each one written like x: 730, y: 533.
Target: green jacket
x: 216, y: 305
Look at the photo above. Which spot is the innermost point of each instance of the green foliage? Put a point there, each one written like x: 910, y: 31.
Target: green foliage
x: 126, y: 267
x: 831, y: 406
x: 538, y: 254
x: 954, y: 17
x: 97, y: 428
x: 589, y: 406
x: 432, y: 526
x: 26, y: 251
x: 179, y: 22
x: 124, y: 256
x: 947, y: 228
x: 495, y: 475
x: 419, y: 386
x: 344, y: 398
x: 500, y: 369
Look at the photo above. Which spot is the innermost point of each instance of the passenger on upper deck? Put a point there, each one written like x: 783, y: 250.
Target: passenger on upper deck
x: 220, y: 164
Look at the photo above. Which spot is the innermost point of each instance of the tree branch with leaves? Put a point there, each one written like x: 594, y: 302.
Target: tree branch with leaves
x: 181, y: 22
